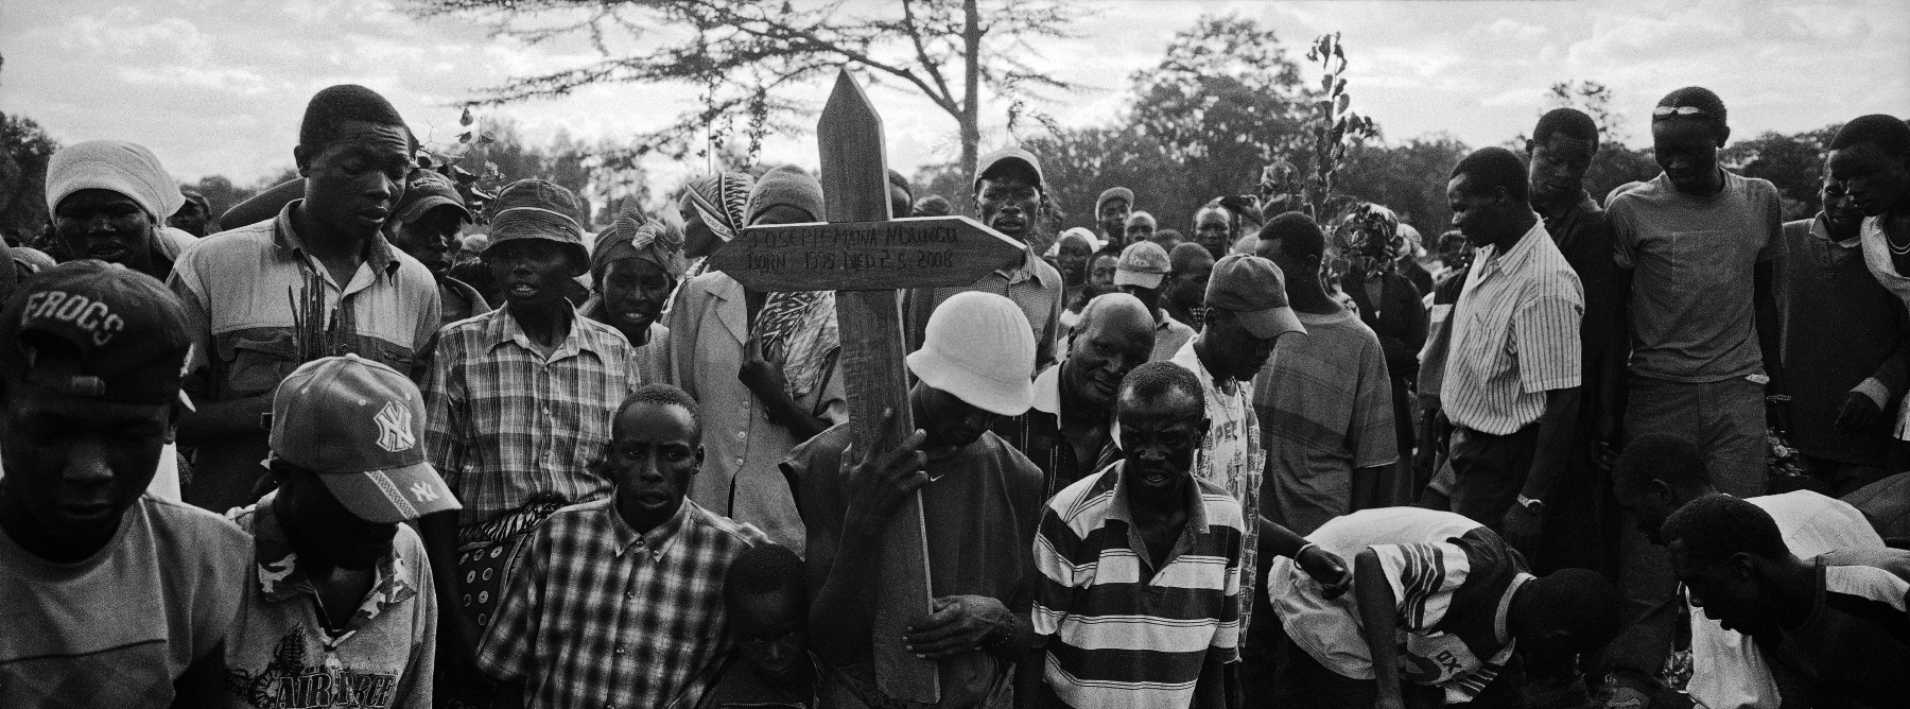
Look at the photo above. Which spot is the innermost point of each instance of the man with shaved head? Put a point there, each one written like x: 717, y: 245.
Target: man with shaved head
x: 1067, y: 433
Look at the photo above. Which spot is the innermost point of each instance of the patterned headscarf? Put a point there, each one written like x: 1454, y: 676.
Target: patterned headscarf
x: 721, y: 200
x: 1369, y: 230
x: 632, y: 235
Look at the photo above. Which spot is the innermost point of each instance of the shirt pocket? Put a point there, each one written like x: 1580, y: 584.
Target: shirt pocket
x: 255, y: 360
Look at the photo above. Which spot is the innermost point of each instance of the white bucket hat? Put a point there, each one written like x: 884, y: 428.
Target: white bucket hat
x: 979, y: 348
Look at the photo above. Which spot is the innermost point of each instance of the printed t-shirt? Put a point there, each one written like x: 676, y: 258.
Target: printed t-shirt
x: 116, y: 629
x: 1453, y: 582
x: 1230, y: 454
x: 1692, y: 258
x: 281, y: 654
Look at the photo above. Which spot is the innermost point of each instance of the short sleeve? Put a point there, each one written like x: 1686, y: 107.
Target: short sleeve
x: 1545, y: 332
x: 1057, y: 552
x: 1424, y: 578
x: 1771, y: 218
x: 1623, y: 234
x: 227, y: 554
x: 1374, y: 438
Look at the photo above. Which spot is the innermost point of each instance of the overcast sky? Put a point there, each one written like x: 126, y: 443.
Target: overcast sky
x: 217, y: 86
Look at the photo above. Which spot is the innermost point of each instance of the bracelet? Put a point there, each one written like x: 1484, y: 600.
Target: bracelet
x: 1303, y: 548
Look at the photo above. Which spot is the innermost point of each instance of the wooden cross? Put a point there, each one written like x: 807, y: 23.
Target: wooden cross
x: 867, y: 256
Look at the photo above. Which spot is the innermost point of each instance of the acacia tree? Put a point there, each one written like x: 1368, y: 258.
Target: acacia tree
x: 746, y: 54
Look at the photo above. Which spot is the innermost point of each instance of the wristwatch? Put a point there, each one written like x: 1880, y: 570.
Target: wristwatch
x: 1532, y: 504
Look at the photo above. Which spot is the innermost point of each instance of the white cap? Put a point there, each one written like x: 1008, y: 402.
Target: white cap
x: 979, y: 348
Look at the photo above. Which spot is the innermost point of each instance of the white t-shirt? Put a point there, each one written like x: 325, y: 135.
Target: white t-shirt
x: 1728, y: 671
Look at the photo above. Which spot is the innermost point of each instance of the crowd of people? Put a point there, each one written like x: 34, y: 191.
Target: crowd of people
x: 386, y: 442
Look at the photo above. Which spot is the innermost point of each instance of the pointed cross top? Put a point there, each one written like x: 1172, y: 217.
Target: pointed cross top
x: 849, y: 134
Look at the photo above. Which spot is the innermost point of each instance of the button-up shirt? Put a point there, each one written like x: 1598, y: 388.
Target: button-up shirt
x: 1230, y: 454
x: 281, y: 653
x: 510, y: 426
x: 1032, y: 284
x: 239, y: 288
x: 1515, y: 336
x: 603, y: 616
x: 1126, y: 632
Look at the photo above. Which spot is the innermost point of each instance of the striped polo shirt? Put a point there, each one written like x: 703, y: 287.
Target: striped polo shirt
x: 1514, y: 336
x: 1119, y: 632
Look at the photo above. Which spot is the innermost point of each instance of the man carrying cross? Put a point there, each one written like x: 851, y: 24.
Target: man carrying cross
x: 981, y: 500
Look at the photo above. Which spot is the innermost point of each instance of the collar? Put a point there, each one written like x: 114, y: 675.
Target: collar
x: 378, y: 251
x: 1820, y: 230
x: 658, y: 541
x: 502, y: 329
x: 1048, y: 390
x: 1031, y: 268
x: 281, y: 579
x: 1197, y: 522
x: 1501, y: 628
x: 1491, y: 261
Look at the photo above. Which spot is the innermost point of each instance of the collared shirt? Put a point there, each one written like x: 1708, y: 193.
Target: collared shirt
x: 509, y: 426
x: 117, y: 628
x: 1230, y: 454
x: 1121, y: 632
x: 741, y: 476
x: 239, y: 288
x: 1169, y: 336
x: 1033, y: 285
x: 282, y: 654
x: 1843, y: 332
x: 1452, y: 581
x: 602, y: 616
x: 1037, y: 434
x: 1514, y: 336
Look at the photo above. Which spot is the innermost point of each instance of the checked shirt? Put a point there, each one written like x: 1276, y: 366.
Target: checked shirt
x: 601, y: 616
x: 509, y: 426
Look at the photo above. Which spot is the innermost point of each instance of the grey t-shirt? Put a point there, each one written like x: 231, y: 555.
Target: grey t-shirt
x: 1692, y: 317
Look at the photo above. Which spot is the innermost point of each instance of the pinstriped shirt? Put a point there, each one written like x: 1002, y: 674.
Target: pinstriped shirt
x: 509, y: 426
x: 1122, y: 633
x: 602, y: 616
x: 1515, y: 336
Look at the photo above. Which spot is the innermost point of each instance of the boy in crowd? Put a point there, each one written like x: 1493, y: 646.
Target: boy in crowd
x: 769, y: 666
x: 111, y: 598
x: 1111, y: 210
x: 619, y: 601
x: 342, y: 609
x: 425, y: 226
x: 1185, y: 295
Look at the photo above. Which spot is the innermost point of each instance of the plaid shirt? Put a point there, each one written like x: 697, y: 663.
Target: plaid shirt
x: 602, y: 616
x: 509, y: 426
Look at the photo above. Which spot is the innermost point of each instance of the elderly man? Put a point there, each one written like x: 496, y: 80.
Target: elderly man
x: 342, y: 608
x: 1838, y: 617
x: 1068, y: 431
x: 980, y: 499
x: 109, y: 200
x: 1143, y: 272
x: 426, y: 226
x: 1110, y: 641
x: 1009, y: 195
x: 520, y: 402
x: 111, y: 598
x: 1247, y: 314
x: 619, y: 602
x: 318, y: 280
x: 1511, y: 384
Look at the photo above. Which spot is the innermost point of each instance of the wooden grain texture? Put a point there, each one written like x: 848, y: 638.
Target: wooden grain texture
x: 917, y: 252
x: 855, y: 189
